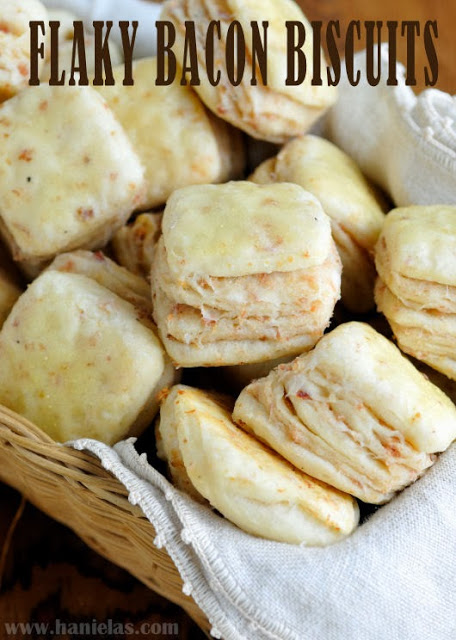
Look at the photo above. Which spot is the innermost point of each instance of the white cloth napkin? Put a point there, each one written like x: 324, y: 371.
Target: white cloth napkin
x: 404, y: 143
x: 145, y: 12
x: 395, y: 577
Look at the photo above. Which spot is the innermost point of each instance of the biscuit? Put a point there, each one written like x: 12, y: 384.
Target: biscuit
x: 354, y: 412
x: 355, y: 209
x: 79, y: 361
x: 15, y: 16
x: 69, y: 177
x: 416, y: 289
x: 247, y: 482
x: 134, y: 244
x: 243, y: 273
x: 273, y: 111
x: 179, y: 141
x: 101, y: 269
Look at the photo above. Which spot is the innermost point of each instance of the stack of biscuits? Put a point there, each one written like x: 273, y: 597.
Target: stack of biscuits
x: 137, y: 249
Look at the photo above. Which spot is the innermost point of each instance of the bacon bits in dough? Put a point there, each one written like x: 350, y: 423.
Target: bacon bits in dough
x: 15, y: 16
x: 243, y: 273
x: 69, y: 177
x: 272, y: 111
x: 354, y: 412
x: 79, y: 361
x: 416, y: 290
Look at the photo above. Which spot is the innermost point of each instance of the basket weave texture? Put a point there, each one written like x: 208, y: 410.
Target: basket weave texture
x: 72, y: 487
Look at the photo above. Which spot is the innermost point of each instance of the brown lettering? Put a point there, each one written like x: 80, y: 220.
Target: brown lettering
x: 214, y: 25
x: 79, y: 69
x: 102, y: 55
x: 350, y: 52
x: 411, y: 28
x: 35, y: 51
x: 370, y: 25
x: 190, y: 61
x: 294, y: 50
x: 235, y: 53
x: 316, y: 72
x: 431, y: 53
x: 259, y: 53
x: 166, y: 59
x: 128, y: 46
x: 392, y: 53
x: 54, y: 79
x: 334, y: 58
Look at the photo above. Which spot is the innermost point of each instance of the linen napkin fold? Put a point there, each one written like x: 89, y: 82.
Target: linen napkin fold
x: 403, y: 142
x: 393, y: 579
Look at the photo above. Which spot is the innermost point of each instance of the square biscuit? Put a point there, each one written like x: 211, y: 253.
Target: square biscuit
x: 69, y: 177
x: 79, y: 361
x: 179, y: 141
x: 354, y: 413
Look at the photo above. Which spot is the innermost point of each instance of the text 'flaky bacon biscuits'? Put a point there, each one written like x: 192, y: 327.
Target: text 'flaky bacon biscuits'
x: 243, y: 273
x: 354, y: 412
x: 247, y: 482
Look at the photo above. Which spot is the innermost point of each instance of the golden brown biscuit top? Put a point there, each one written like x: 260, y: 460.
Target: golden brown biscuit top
x: 421, y: 242
x: 241, y: 228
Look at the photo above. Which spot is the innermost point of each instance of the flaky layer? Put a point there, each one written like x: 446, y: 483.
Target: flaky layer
x: 353, y: 412
x: 223, y: 321
x: 274, y: 112
x: 245, y: 481
x: 134, y: 244
x: 426, y: 334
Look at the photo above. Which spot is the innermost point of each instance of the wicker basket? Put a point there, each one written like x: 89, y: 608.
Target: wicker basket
x: 73, y: 488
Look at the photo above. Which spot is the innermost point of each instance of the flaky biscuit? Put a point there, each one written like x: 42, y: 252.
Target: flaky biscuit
x: 416, y: 289
x: 110, y: 275
x: 63, y: 184
x: 353, y: 412
x: 247, y: 482
x: 355, y: 209
x: 425, y: 334
x: 272, y: 111
x: 415, y: 256
x: 134, y: 244
x: 243, y: 273
x: 15, y: 16
x: 79, y: 361
x: 178, y: 140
